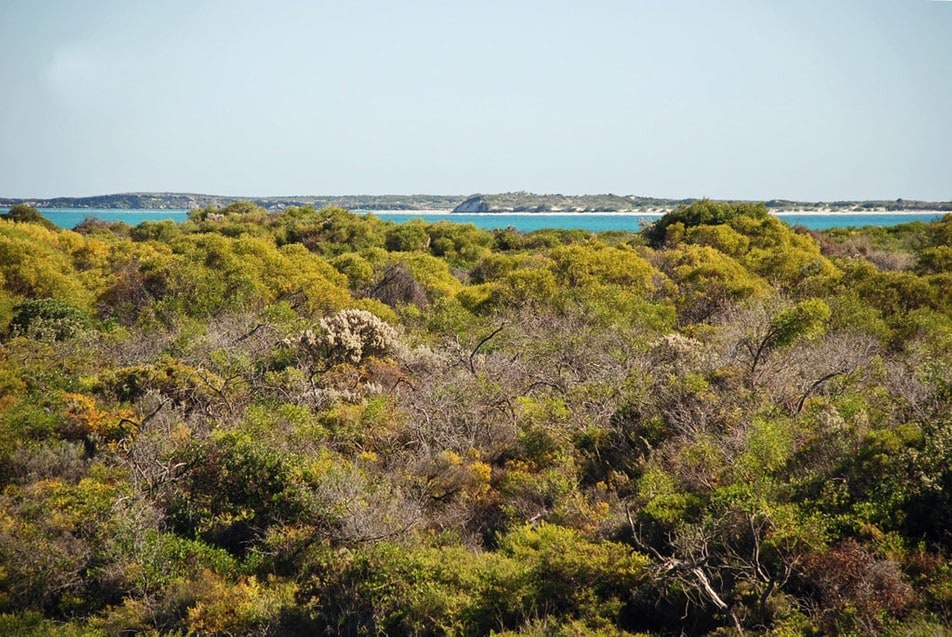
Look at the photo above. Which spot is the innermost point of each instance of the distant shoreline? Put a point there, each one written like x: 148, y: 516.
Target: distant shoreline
x: 636, y: 213
x: 524, y: 221
x: 500, y: 203
x: 864, y: 213
x: 449, y: 213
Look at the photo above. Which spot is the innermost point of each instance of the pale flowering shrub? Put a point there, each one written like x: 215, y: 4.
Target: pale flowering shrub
x: 674, y: 349
x: 350, y: 336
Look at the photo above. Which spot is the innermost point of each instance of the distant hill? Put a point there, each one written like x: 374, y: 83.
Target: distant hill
x: 189, y: 201
x: 530, y: 202
x: 501, y: 202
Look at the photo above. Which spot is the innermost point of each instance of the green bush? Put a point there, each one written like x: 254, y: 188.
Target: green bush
x: 47, y: 319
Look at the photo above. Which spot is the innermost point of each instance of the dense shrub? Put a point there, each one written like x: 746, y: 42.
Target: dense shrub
x: 47, y: 319
x: 349, y: 336
x: 316, y: 422
x: 700, y: 213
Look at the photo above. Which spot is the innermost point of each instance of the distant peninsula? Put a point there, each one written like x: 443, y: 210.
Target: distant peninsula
x: 529, y: 202
x: 478, y: 203
x: 189, y: 201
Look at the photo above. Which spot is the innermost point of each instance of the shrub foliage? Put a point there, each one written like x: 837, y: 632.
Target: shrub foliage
x: 315, y: 422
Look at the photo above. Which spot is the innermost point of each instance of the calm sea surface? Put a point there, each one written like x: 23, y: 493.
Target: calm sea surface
x: 633, y: 222
x: 526, y: 222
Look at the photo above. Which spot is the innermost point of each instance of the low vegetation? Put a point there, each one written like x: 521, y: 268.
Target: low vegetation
x: 314, y: 422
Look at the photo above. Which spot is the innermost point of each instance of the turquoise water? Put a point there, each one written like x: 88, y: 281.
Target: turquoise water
x: 633, y: 222
x: 72, y: 217
x: 843, y: 220
x: 526, y: 222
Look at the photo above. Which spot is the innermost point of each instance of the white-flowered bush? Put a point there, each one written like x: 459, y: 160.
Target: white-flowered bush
x: 350, y: 336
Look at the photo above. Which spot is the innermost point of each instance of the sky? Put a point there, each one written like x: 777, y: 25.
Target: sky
x: 751, y: 99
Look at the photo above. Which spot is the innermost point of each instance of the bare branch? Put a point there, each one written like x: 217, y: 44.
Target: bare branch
x: 472, y: 355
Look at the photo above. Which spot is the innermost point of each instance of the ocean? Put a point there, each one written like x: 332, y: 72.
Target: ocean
x: 525, y: 222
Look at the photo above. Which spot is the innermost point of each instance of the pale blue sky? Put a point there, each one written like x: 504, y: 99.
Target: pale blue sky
x: 797, y: 99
